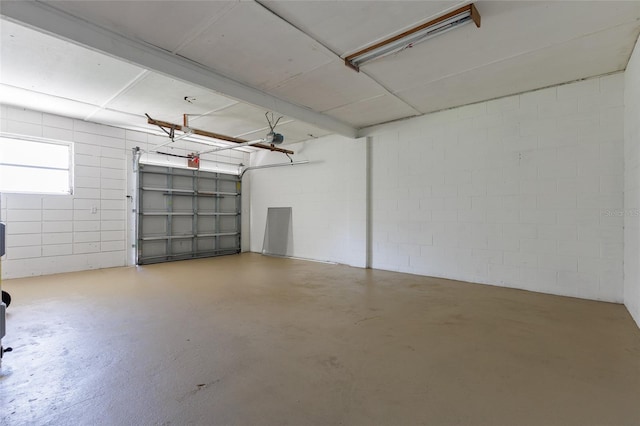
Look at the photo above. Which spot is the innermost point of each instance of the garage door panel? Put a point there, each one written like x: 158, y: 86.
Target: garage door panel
x: 182, y: 182
x: 153, y: 226
x: 182, y: 225
x: 206, y: 244
x: 227, y: 242
x: 206, y: 204
x: 227, y: 186
x: 151, y: 180
x: 207, y: 184
x: 185, y: 214
x: 206, y: 225
x: 154, y: 202
x: 183, y: 204
x: 227, y: 204
x: 180, y: 247
x: 228, y: 224
x: 153, y: 249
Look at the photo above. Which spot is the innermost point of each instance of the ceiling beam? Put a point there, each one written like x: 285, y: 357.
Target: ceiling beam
x: 45, y: 18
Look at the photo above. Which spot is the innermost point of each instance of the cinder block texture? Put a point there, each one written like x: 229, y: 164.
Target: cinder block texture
x: 523, y: 192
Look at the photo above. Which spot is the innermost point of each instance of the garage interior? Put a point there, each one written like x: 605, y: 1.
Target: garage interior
x: 309, y: 212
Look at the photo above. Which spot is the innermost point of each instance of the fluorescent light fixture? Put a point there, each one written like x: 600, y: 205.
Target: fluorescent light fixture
x: 409, y: 38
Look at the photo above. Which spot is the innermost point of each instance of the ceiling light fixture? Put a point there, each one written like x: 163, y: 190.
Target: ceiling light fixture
x: 410, y: 38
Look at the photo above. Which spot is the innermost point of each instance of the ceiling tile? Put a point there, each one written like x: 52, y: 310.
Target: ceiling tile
x: 327, y: 87
x: 163, y: 98
x: 236, y: 120
x: 253, y: 46
x: 346, y: 26
x: 121, y: 119
x: 468, y: 47
x: 165, y: 24
x: 373, y: 111
x: 42, y: 63
x: 527, y: 72
x: 37, y: 101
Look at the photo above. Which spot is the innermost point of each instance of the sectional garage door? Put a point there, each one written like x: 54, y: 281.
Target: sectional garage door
x: 186, y: 214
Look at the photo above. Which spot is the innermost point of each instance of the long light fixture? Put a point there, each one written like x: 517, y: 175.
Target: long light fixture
x: 409, y: 38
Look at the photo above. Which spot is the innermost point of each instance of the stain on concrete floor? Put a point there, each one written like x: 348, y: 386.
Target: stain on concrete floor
x: 253, y: 340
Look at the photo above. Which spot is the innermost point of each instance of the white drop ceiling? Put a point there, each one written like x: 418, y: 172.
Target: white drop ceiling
x: 288, y: 55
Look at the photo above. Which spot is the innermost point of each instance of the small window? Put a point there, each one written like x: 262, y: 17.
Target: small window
x: 35, y: 166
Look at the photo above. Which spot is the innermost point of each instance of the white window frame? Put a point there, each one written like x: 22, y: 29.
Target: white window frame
x: 37, y: 139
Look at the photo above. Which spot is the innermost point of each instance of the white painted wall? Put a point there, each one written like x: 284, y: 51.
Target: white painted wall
x: 49, y: 234
x: 59, y: 233
x: 327, y: 196
x: 632, y: 186
x: 524, y: 191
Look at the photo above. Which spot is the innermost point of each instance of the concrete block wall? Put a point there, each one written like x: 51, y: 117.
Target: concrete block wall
x: 632, y: 186
x: 524, y: 191
x: 58, y: 233
x: 327, y: 197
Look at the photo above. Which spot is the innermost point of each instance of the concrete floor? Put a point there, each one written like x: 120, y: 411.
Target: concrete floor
x: 252, y: 340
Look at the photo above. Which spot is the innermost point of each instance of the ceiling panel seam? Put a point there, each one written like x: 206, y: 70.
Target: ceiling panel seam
x: 394, y: 94
x: 208, y: 113
x: 124, y: 89
x: 359, y: 101
x: 296, y: 76
x: 194, y: 33
x: 508, y: 58
x: 281, y: 123
x: 49, y: 94
x: 115, y: 111
x: 46, y: 18
x: 390, y: 92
